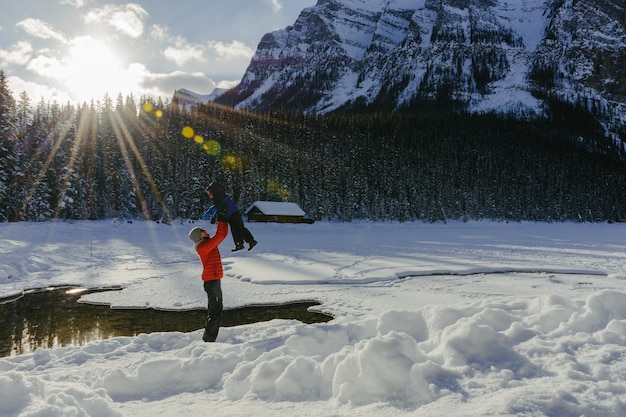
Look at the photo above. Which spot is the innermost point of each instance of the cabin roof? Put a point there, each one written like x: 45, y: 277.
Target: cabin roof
x: 276, y: 208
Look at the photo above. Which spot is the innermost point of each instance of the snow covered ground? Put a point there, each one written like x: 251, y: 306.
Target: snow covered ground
x: 458, y: 319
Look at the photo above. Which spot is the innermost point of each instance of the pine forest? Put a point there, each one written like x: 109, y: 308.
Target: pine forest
x: 134, y: 158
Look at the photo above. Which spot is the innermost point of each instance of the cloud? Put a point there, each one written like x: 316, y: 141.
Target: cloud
x: 275, y: 4
x: 46, y: 66
x: 159, y: 32
x: 40, y: 29
x: 18, y: 53
x: 232, y: 50
x: 138, y: 79
x: 36, y: 91
x: 183, y: 52
x: 227, y: 85
x: 164, y: 84
x: 127, y: 19
x: 75, y: 3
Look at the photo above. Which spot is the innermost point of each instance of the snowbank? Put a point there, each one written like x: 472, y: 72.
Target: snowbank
x: 509, y: 357
x: 427, y: 323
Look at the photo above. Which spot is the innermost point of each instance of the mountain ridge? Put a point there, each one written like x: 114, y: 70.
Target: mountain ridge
x: 480, y: 55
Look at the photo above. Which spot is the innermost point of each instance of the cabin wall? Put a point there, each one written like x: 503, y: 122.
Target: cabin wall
x: 258, y: 217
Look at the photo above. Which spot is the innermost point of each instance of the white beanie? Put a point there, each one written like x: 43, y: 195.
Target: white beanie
x: 195, y: 235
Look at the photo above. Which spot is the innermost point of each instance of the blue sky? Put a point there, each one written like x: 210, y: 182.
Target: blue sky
x: 75, y: 50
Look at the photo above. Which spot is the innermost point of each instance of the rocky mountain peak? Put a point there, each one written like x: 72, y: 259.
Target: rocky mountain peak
x: 502, y: 56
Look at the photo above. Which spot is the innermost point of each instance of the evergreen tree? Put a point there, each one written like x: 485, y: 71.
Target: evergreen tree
x: 123, y: 159
x: 7, y: 141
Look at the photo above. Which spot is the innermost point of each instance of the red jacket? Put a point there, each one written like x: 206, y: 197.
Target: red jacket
x: 210, y: 255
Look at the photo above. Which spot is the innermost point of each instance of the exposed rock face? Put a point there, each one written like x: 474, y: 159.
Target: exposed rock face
x: 482, y: 55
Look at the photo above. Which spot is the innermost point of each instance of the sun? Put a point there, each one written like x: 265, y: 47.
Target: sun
x: 93, y: 69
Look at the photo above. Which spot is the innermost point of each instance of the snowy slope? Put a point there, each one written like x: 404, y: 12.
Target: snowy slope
x: 494, y: 56
x: 188, y: 97
x: 431, y: 320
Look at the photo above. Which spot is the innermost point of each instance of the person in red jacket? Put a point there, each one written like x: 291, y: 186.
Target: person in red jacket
x: 212, y: 273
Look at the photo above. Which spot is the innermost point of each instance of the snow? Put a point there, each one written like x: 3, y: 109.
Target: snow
x: 510, y: 94
x: 278, y: 208
x: 458, y: 319
x: 258, y: 93
x: 527, y: 18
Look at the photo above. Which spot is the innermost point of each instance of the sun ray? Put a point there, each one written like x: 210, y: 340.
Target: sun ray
x: 125, y: 138
x: 76, y: 145
x: 62, y: 130
x: 150, y: 125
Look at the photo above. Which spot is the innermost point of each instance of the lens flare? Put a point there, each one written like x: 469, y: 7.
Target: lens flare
x: 212, y: 147
x: 278, y: 190
x: 149, y: 107
x: 187, y: 132
x: 198, y: 139
x: 231, y: 162
x: 272, y: 186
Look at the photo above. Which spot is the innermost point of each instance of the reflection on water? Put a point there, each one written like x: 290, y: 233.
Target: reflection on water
x: 54, y: 317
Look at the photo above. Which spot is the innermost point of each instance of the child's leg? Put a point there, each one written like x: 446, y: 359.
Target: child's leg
x: 235, y: 223
x: 247, y: 236
x: 237, y: 226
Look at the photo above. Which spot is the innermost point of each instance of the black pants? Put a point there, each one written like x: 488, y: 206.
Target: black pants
x: 238, y: 230
x: 213, y: 291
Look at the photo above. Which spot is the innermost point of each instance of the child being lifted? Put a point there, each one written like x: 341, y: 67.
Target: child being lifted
x: 225, y: 206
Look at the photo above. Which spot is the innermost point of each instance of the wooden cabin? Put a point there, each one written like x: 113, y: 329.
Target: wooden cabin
x: 277, y: 212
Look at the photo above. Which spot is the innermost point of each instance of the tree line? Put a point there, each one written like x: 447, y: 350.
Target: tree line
x: 152, y: 159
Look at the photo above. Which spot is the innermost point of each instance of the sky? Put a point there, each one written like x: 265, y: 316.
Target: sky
x: 76, y: 50
x: 458, y: 319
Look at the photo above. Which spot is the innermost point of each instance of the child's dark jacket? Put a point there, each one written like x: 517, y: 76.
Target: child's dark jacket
x: 221, y: 201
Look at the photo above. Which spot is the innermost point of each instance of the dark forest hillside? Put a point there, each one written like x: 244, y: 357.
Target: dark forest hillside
x: 132, y: 159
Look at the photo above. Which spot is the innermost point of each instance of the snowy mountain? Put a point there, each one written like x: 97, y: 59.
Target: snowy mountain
x: 188, y: 97
x: 503, y: 56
